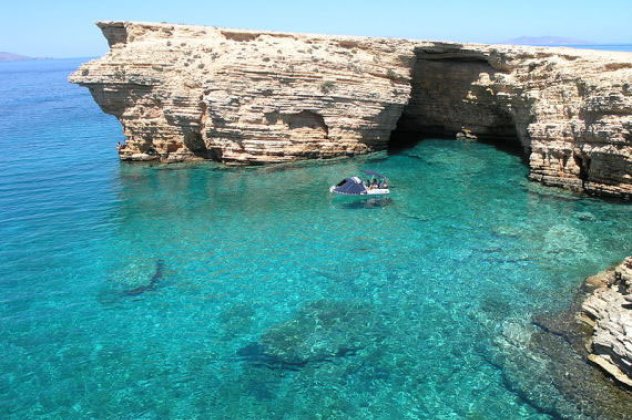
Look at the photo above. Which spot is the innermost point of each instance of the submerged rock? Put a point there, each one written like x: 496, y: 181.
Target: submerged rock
x: 321, y: 331
x: 564, y: 239
x: 545, y: 362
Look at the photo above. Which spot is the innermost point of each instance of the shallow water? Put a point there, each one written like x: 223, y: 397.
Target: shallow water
x: 153, y: 291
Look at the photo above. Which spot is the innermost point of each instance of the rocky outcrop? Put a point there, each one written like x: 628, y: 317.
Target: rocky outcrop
x: 609, y: 311
x: 184, y: 92
x: 244, y: 97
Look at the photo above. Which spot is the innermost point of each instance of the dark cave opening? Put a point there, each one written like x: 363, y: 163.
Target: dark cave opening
x: 583, y: 162
x: 447, y: 103
x: 195, y: 143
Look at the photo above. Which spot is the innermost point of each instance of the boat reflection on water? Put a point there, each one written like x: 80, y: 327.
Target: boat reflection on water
x: 365, y: 203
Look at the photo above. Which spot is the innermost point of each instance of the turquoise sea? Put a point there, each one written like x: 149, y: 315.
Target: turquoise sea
x: 196, y: 291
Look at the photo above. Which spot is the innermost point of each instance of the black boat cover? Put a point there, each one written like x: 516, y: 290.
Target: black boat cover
x: 352, y: 186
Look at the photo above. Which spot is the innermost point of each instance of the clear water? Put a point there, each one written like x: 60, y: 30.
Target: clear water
x: 383, y: 309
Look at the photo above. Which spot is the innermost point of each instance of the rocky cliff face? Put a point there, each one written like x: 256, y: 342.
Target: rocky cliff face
x: 243, y: 97
x: 609, y: 311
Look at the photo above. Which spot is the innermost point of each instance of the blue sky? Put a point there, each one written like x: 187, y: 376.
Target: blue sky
x: 65, y: 28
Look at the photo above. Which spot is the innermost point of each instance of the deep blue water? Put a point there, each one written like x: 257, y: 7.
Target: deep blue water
x: 266, y: 297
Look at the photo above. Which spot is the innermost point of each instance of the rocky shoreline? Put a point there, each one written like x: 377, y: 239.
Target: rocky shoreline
x: 608, y: 311
x: 583, y: 353
x: 246, y: 97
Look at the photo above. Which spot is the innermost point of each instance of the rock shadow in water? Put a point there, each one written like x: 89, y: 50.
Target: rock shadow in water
x: 366, y: 203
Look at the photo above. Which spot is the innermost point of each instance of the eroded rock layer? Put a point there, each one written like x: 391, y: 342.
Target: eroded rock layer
x: 244, y: 97
x: 609, y: 311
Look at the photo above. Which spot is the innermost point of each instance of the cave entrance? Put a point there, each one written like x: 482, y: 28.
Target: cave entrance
x: 447, y: 103
x: 195, y: 143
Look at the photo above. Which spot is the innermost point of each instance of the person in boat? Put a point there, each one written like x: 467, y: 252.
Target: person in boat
x: 374, y: 184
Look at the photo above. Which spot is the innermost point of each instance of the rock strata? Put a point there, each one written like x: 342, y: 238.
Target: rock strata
x: 245, y: 97
x: 609, y: 311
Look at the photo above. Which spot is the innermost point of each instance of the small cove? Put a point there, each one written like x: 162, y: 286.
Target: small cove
x: 263, y: 295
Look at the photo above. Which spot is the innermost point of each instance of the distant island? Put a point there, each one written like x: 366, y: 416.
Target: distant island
x: 547, y: 40
x: 7, y: 56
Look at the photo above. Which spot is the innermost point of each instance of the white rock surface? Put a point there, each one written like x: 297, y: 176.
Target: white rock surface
x: 610, y: 313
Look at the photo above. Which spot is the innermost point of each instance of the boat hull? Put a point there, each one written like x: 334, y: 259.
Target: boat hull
x: 368, y: 193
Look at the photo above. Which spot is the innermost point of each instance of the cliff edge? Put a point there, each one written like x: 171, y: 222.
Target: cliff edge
x: 245, y: 97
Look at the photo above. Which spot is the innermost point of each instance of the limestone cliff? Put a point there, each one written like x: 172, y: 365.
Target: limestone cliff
x: 243, y: 97
x: 609, y: 311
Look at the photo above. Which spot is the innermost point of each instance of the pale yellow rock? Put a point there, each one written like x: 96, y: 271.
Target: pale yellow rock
x: 606, y: 364
x: 243, y: 97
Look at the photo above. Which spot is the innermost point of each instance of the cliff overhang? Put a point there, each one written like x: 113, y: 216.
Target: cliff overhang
x: 246, y: 97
